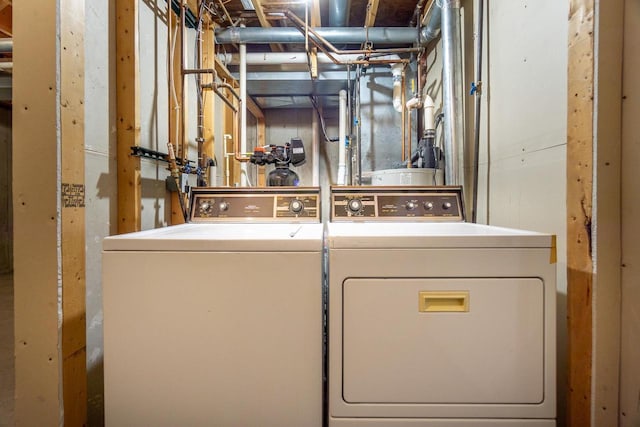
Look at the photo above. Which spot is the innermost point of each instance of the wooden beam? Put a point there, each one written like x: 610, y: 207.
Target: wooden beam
x: 372, y: 12
x: 6, y: 21
x: 36, y: 215
x: 175, y: 122
x: 264, y: 22
x: 607, y: 285
x: 128, y: 115
x: 579, y: 209
x: 74, y: 350
x: 208, y: 61
x: 316, y: 20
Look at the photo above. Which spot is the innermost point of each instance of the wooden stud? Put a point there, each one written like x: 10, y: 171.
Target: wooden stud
x: 372, y: 12
x: 128, y: 116
x: 36, y: 216
x: 208, y: 61
x: 177, y: 217
x: 74, y: 373
x: 579, y: 209
x: 607, y: 285
x: 316, y: 20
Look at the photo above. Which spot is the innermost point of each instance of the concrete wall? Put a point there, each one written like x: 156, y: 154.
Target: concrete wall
x: 101, y: 182
x: 523, y: 145
x: 6, y: 213
x: 630, y: 339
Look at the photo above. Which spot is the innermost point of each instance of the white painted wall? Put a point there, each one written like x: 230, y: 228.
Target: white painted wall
x: 523, y: 144
x: 630, y: 338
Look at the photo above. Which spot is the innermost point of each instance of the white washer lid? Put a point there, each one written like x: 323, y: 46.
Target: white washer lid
x: 222, y: 237
x: 394, y: 235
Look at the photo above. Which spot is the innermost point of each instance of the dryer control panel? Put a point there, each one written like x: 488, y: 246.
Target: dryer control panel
x: 282, y: 204
x: 407, y: 203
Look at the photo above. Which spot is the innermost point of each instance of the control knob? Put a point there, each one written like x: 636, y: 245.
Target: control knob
x: 296, y: 206
x: 354, y: 205
x: 205, y: 207
x: 446, y: 206
x: 410, y: 206
x: 223, y: 206
x: 428, y: 206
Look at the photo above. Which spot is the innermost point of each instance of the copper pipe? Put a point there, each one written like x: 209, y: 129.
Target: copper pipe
x: 409, y: 165
x: 238, y: 131
x: 301, y: 25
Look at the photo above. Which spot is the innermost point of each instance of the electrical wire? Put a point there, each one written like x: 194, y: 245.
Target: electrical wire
x: 314, y: 102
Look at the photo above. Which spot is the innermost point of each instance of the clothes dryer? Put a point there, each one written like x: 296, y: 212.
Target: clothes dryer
x: 433, y: 321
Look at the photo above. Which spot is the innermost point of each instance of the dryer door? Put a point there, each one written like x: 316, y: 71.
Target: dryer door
x: 457, y: 341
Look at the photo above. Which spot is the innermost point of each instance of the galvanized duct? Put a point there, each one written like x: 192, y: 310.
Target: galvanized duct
x: 351, y: 35
x: 6, y: 45
x: 453, y: 92
x: 434, y: 17
x: 339, y: 13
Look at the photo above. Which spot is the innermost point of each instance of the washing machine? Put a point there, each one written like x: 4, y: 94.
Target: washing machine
x: 433, y: 321
x: 218, y: 322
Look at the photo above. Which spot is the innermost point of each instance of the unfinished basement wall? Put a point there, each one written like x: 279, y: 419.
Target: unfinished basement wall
x: 6, y: 210
x: 523, y: 151
x: 101, y: 183
x: 630, y: 351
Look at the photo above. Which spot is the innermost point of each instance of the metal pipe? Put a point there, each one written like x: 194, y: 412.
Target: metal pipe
x: 351, y: 35
x: 434, y: 19
x: 244, y: 182
x: 6, y: 45
x: 358, y: 132
x: 322, y: 44
x: 339, y: 13
x: 279, y: 58
x: 315, y: 149
x: 478, y: 104
x: 202, y: 181
x: 182, y: 143
x: 342, y: 137
x: 403, y: 117
x: 453, y: 93
x: 409, y: 165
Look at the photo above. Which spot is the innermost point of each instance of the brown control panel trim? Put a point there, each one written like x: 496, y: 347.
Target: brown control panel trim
x: 406, y: 203
x: 282, y: 204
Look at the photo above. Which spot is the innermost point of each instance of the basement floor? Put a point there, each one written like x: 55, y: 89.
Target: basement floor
x: 7, y: 373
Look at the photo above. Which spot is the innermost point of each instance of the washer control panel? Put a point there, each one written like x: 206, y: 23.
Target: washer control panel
x: 282, y: 204
x: 410, y: 203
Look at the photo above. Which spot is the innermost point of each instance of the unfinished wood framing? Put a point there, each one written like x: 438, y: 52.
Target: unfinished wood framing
x: 74, y: 372
x: 177, y: 217
x: 264, y: 22
x: 372, y: 12
x: 580, y: 148
x: 208, y: 61
x: 607, y: 215
x: 128, y: 116
x: 36, y: 214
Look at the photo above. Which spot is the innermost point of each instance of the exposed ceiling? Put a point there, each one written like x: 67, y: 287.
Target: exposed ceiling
x: 290, y: 86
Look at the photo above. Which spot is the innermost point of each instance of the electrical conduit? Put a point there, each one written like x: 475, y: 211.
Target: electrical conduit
x: 342, y: 136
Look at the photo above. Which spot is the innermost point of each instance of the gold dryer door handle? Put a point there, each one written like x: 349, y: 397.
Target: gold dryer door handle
x: 443, y: 301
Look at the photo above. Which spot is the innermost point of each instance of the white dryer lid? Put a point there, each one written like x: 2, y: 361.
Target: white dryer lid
x: 396, y: 235
x: 222, y: 237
